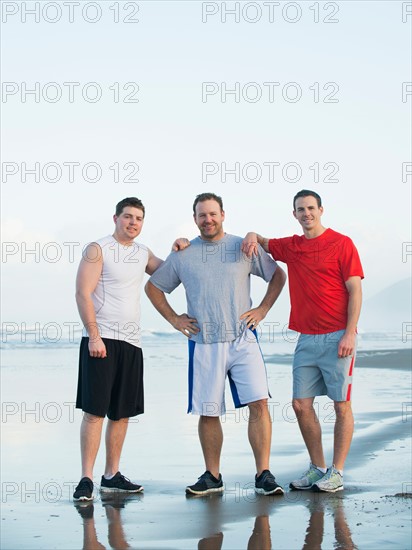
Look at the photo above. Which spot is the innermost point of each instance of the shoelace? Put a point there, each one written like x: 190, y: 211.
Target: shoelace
x: 204, y: 476
x: 269, y: 477
x: 85, y: 483
x: 124, y: 478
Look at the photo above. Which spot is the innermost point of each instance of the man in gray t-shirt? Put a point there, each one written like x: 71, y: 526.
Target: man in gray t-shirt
x: 222, y: 343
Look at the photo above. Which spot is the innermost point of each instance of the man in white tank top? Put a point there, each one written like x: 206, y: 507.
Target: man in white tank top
x: 110, y: 380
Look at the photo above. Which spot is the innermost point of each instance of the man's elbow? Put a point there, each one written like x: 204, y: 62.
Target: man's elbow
x: 150, y: 289
x: 281, y: 276
x: 81, y: 295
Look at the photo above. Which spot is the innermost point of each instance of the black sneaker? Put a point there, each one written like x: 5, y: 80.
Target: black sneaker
x: 119, y: 484
x: 266, y: 484
x: 84, y: 490
x: 206, y: 484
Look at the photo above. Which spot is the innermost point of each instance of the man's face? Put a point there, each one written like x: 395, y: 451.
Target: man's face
x: 209, y: 219
x: 308, y: 213
x: 128, y: 224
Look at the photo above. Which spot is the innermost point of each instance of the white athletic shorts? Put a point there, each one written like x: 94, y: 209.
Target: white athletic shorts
x: 209, y: 364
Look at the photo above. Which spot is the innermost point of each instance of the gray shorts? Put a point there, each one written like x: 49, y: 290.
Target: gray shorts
x: 240, y: 361
x: 317, y: 369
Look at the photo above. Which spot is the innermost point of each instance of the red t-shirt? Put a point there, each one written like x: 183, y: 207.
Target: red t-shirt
x: 317, y: 270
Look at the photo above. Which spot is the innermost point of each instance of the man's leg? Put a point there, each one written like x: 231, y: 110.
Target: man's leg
x: 260, y: 433
x: 211, y: 440
x: 115, y: 435
x: 310, y: 429
x: 343, y: 433
x: 90, y: 434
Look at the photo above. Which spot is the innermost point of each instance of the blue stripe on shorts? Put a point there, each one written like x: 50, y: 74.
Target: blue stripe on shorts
x: 190, y: 373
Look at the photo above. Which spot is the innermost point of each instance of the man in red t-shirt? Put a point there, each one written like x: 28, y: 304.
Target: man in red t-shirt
x: 325, y: 275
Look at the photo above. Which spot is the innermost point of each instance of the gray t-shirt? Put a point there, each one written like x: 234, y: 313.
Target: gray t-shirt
x: 216, y: 277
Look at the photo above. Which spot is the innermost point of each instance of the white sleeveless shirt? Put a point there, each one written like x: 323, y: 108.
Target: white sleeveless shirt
x: 116, y: 298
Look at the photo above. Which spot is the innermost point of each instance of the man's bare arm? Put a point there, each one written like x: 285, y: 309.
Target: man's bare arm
x: 347, y: 342
x: 257, y: 314
x: 88, y: 275
x: 153, y: 263
x: 183, y: 323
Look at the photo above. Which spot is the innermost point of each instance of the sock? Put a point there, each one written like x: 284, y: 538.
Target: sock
x: 323, y: 470
x: 109, y: 477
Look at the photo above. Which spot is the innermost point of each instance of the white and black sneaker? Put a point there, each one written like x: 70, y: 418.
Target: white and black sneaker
x: 265, y: 484
x: 207, y: 483
x: 119, y: 484
x: 84, y: 490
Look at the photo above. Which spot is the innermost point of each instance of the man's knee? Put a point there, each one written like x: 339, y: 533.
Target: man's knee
x: 118, y: 421
x: 303, y: 407
x: 91, y: 418
x: 203, y: 419
x: 342, y: 408
x: 258, y: 409
x: 258, y: 404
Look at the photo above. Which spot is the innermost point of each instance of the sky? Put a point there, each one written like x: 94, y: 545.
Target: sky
x: 165, y: 100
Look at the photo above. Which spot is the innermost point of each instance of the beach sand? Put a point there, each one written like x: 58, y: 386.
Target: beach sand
x: 40, y: 464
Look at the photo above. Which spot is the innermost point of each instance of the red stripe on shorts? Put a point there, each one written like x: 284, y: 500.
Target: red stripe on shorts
x: 351, y: 365
x: 348, y: 394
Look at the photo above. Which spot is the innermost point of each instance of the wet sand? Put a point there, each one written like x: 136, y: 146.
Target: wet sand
x: 40, y: 467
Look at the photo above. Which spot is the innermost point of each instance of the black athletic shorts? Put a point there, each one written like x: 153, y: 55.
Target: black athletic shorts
x: 112, y: 386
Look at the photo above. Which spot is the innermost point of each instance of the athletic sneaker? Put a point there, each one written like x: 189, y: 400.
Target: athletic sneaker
x: 207, y: 483
x: 331, y: 482
x: 266, y: 484
x: 307, y: 480
x: 119, y: 484
x: 84, y: 490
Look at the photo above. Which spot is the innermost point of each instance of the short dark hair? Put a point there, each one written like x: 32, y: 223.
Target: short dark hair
x: 207, y: 197
x: 307, y: 193
x: 129, y: 201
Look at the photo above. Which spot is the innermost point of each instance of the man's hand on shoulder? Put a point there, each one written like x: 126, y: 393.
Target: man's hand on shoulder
x: 250, y: 245
x: 180, y: 244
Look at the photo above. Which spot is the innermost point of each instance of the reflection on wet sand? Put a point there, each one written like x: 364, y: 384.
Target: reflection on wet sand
x: 334, y: 506
x: 112, y: 503
x: 212, y: 513
x: 90, y: 542
x: 259, y: 539
x: 214, y: 542
x: 317, y: 505
x: 326, y: 513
